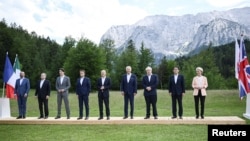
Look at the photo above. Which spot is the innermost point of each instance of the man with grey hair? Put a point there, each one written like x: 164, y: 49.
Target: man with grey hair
x: 129, y: 90
x: 42, y: 93
x: 150, y: 83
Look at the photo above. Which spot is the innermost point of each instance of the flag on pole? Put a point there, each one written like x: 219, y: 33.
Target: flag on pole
x: 237, y: 59
x: 16, y: 67
x: 9, y: 78
x: 243, y: 70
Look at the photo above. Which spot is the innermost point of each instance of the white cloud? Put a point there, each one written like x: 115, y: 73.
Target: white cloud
x: 58, y: 19
x: 225, y: 3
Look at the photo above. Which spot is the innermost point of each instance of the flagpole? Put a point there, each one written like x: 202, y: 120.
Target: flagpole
x: 3, y: 90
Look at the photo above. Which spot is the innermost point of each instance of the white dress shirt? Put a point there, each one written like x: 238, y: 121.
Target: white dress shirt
x: 103, y: 79
x: 175, y: 78
x: 149, y: 77
x: 81, y: 80
x: 128, y: 77
x: 61, y: 79
x: 41, y: 83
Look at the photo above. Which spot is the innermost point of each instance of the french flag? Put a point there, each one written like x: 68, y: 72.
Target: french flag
x: 9, y: 78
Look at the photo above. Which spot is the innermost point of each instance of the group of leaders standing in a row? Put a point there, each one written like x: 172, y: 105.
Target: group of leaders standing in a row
x: 128, y: 90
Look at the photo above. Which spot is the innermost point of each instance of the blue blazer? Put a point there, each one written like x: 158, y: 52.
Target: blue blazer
x: 131, y: 86
x: 85, y: 88
x: 152, y: 83
x: 107, y: 85
x: 22, y: 89
x: 179, y: 87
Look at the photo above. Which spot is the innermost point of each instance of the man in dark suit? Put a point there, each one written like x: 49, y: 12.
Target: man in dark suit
x: 177, y: 91
x: 129, y: 90
x: 22, y: 88
x: 83, y: 88
x: 42, y: 93
x: 149, y: 83
x: 62, y: 87
x: 103, y: 85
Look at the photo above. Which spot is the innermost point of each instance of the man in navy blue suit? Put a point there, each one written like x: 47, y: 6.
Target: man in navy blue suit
x: 177, y: 91
x: 149, y: 83
x: 129, y: 90
x: 103, y: 85
x: 83, y: 88
x: 22, y: 88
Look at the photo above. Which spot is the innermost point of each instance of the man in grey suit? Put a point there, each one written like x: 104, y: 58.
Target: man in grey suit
x: 62, y: 87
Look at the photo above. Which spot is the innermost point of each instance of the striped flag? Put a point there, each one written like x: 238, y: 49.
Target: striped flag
x: 243, y: 70
x: 9, y: 78
x: 16, y: 67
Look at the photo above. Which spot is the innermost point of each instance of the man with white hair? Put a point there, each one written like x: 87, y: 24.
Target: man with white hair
x: 129, y: 90
x: 149, y: 83
x: 42, y: 93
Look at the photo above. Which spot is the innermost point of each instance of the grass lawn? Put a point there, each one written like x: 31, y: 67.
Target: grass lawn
x: 218, y: 103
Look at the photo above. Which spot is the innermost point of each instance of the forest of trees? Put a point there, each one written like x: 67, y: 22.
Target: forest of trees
x: 41, y: 54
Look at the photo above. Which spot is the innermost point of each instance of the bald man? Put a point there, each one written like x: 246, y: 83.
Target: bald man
x: 103, y: 86
x: 22, y: 89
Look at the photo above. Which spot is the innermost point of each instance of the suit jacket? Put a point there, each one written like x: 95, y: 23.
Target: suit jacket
x: 177, y: 88
x: 195, y: 85
x: 107, y: 85
x: 85, y: 88
x: 131, y: 86
x: 65, y: 84
x: 24, y: 88
x: 44, y: 90
x: 152, y: 83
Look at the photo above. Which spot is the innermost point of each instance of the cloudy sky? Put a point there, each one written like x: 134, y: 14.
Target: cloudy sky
x: 92, y: 18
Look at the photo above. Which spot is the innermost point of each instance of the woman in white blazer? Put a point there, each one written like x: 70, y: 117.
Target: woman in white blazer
x: 199, y: 85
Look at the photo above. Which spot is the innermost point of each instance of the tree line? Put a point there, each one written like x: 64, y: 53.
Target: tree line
x: 39, y: 54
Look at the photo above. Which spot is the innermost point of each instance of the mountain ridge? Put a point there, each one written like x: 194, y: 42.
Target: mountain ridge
x: 174, y: 36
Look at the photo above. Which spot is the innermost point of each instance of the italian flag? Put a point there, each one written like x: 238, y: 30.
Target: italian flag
x: 10, y: 76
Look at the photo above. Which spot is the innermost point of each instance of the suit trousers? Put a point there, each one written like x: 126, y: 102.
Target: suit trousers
x: 43, y: 106
x: 105, y: 100
x: 83, y: 99
x: 151, y: 100
x: 64, y: 97
x: 177, y: 99
x: 200, y: 98
x: 128, y: 98
x: 21, y: 100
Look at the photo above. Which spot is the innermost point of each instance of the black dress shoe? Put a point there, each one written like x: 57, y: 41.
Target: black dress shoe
x: 45, y: 117
x: 197, y: 117
x: 40, y: 117
x: 68, y: 117
x: 202, y: 117
x: 79, y: 118
x: 125, y: 117
x: 100, y: 118
x: 24, y: 117
x: 146, y: 117
x: 173, y: 117
x: 57, y: 117
x: 19, y: 117
x: 86, y: 118
x: 180, y: 117
x: 156, y: 117
x: 131, y: 117
x: 108, y: 118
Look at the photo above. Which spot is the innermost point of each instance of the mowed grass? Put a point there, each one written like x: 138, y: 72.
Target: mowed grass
x: 218, y: 103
